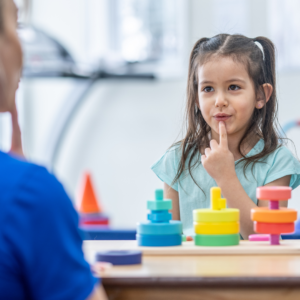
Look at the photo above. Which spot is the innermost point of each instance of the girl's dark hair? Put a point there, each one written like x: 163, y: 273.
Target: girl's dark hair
x: 261, y: 69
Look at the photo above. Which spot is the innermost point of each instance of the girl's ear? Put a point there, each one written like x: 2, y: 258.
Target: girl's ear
x: 267, y: 89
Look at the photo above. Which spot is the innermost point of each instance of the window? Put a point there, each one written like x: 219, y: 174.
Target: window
x: 145, y: 30
x: 284, y: 28
x: 230, y: 16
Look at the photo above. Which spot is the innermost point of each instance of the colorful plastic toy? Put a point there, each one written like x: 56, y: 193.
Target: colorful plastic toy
x: 295, y: 235
x: 120, y: 257
x: 93, y: 223
x: 274, y: 220
x: 90, y: 210
x: 100, y: 232
x: 160, y: 230
x: 217, y: 239
x: 217, y: 226
x: 259, y: 237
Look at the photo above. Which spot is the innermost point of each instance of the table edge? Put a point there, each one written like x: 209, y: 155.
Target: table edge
x: 204, y: 282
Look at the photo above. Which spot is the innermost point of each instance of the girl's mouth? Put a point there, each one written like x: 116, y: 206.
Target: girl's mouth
x: 221, y: 117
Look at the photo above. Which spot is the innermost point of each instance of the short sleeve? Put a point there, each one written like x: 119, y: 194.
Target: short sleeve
x: 42, y: 231
x: 283, y: 163
x: 166, y: 167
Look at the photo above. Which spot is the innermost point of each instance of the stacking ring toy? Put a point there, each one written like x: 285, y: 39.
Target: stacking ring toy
x: 217, y: 226
x: 273, y: 220
x: 159, y: 231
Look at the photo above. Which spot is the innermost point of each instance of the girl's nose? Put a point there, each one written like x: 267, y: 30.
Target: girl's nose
x: 221, y: 100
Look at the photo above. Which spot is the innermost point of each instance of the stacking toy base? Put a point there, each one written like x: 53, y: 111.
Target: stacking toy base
x: 158, y: 240
x: 217, y: 239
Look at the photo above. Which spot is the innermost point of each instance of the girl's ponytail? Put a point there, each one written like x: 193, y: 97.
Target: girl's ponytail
x: 269, y: 59
x: 269, y: 76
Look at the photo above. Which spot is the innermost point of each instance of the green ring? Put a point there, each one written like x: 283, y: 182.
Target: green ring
x: 217, y: 239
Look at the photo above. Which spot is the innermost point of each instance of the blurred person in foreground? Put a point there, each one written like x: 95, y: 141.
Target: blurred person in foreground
x: 40, y: 248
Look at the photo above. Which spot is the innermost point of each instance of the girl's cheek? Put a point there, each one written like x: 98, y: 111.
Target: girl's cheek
x: 244, y: 108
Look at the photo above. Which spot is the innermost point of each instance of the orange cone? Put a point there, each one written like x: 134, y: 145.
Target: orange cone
x: 89, y: 203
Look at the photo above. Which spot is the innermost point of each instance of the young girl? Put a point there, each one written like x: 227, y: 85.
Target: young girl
x: 232, y: 139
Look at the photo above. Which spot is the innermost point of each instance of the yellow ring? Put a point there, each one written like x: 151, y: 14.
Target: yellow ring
x: 215, y: 216
x: 217, y: 228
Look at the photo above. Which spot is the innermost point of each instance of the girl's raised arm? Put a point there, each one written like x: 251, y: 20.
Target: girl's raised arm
x: 170, y: 193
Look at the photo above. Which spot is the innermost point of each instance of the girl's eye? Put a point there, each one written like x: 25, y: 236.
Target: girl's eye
x: 208, y: 89
x: 234, y: 87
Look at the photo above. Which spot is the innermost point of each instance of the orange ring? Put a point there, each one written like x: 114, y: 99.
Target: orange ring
x: 274, y: 228
x: 266, y: 215
x: 282, y: 193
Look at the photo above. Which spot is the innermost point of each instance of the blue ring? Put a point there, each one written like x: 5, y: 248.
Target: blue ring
x: 164, y: 216
x: 120, y: 257
x: 158, y: 240
x: 174, y: 227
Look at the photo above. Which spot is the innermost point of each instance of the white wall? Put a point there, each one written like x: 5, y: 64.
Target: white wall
x: 124, y: 126
x: 80, y: 25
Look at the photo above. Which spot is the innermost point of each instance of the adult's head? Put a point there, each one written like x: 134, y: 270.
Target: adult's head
x: 10, y: 55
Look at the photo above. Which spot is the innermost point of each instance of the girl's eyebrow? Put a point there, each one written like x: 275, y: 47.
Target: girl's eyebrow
x: 206, y: 82
x: 230, y: 80
x: 236, y: 79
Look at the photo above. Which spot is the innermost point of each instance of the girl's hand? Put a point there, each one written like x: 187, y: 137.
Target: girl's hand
x: 218, y: 161
x: 16, y: 141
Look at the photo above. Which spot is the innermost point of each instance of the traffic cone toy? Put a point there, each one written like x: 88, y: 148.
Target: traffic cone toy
x: 90, y: 211
x: 274, y: 220
x: 159, y: 231
x: 217, y: 226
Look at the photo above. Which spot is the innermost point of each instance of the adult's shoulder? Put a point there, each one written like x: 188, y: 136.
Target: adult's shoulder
x: 27, y: 184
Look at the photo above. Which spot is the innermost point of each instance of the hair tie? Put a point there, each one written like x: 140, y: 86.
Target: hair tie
x: 258, y: 44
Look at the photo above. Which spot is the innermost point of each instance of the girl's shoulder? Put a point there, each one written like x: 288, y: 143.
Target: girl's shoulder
x: 166, y: 166
x: 172, y: 154
x: 281, y: 154
x: 279, y: 163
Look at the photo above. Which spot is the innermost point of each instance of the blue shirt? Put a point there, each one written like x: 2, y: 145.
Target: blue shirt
x: 40, y: 247
x: 278, y: 164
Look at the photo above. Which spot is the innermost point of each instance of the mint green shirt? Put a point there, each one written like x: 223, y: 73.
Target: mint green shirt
x: 276, y: 165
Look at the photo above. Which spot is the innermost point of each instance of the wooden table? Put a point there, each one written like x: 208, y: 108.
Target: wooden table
x: 264, y: 275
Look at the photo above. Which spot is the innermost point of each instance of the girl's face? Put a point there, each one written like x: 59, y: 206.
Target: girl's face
x: 10, y: 56
x: 226, y: 93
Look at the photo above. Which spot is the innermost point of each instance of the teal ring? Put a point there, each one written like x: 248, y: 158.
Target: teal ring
x: 174, y: 227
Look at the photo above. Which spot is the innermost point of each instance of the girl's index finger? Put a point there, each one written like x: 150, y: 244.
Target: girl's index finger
x: 223, y: 135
